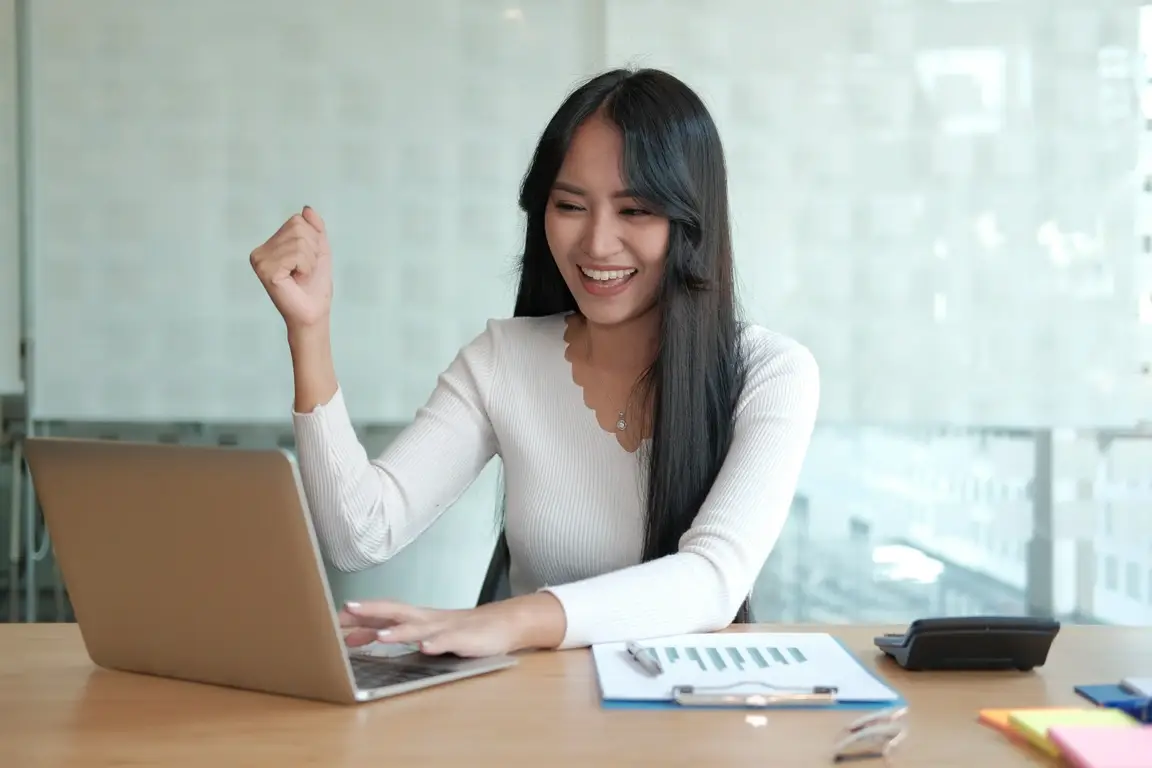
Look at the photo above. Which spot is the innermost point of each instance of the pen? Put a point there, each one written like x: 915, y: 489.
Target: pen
x: 640, y: 655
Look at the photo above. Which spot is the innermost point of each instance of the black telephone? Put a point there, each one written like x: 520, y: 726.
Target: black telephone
x: 972, y: 643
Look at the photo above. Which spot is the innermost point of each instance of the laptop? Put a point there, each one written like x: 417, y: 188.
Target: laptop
x: 201, y: 564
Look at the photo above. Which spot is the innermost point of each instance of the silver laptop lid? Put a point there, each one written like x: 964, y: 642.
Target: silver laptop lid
x: 197, y: 563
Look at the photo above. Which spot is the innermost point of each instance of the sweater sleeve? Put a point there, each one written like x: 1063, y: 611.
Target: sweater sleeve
x: 700, y: 588
x: 365, y: 511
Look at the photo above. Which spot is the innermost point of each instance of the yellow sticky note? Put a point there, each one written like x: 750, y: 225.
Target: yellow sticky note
x: 1000, y: 720
x: 1033, y: 724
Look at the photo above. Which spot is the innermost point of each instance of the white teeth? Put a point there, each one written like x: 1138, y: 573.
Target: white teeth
x: 612, y: 274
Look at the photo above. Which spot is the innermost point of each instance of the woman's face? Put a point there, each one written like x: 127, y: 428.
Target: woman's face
x: 608, y: 246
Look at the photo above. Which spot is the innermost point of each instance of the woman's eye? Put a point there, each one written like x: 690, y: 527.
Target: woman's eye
x: 563, y: 206
x: 634, y: 212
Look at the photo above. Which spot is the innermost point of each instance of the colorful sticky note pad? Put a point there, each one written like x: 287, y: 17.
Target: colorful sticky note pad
x: 1034, y: 724
x: 1087, y: 747
x: 999, y: 719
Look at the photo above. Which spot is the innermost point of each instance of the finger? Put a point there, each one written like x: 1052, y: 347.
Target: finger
x: 352, y: 620
x: 313, y: 219
x: 380, y: 614
x: 296, y: 256
x: 435, y: 645
x: 294, y: 226
x: 413, y: 632
x: 292, y: 238
x: 361, y: 636
x: 289, y: 224
x: 348, y: 619
x: 355, y: 621
x: 276, y: 270
x: 303, y: 264
x: 302, y: 235
x: 453, y: 641
x: 270, y: 268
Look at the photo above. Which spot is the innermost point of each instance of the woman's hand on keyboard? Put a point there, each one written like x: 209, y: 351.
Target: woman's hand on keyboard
x: 532, y: 621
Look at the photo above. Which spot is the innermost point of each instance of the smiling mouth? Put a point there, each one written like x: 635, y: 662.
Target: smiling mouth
x: 605, y: 282
x: 607, y: 275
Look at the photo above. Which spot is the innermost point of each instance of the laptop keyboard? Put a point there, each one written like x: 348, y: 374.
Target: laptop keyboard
x: 379, y: 672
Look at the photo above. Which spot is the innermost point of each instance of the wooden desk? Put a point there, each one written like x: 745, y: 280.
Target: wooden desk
x: 56, y: 709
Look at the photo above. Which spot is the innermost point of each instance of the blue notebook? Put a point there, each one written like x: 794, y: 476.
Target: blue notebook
x: 1116, y: 697
x: 739, y: 671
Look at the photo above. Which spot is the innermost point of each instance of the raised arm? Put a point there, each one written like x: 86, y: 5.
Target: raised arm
x: 700, y: 588
x: 366, y: 510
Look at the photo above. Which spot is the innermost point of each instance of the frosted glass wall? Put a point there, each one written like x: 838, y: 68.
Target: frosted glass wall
x: 945, y: 200
x: 939, y: 197
x: 170, y: 144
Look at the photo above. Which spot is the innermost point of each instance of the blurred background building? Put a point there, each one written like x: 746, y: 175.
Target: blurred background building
x: 947, y: 200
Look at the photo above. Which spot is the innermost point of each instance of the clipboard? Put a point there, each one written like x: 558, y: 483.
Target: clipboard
x: 781, y: 682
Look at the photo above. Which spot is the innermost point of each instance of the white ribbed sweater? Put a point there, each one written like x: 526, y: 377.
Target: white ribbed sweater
x: 575, y: 497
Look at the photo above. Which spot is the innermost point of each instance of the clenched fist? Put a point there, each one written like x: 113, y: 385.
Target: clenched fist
x: 295, y: 266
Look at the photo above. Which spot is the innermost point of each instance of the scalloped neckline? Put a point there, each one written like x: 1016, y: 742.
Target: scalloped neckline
x: 580, y: 374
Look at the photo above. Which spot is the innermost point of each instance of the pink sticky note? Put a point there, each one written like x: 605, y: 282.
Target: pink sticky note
x: 1036, y: 724
x: 1094, y: 747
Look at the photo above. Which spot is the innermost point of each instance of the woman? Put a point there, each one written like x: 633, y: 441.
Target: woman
x: 650, y: 443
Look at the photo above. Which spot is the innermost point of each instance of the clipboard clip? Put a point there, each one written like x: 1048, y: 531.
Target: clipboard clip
x: 773, y: 696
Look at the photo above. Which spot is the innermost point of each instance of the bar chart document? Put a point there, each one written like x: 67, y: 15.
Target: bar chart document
x: 738, y: 663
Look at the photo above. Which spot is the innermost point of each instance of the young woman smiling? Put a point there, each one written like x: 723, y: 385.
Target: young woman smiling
x: 651, y: 442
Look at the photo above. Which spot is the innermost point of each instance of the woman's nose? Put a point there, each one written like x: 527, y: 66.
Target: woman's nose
x: 602, y: 237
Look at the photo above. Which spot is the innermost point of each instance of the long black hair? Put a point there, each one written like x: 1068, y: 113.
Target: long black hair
x: 674, y: 162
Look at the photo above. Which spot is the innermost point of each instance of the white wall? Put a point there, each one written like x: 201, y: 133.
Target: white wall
x: 10, y: 378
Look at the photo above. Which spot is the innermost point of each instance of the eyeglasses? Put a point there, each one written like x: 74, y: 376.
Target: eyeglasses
x: 872, y: 736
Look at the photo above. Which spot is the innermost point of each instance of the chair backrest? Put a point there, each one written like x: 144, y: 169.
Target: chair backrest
x: 496, y: 584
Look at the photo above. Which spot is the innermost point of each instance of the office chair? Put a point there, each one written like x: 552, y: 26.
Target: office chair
x: 496, y: 584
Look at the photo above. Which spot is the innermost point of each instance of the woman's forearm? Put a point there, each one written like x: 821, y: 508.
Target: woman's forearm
x: 313, y: 371
x: 540, y: 620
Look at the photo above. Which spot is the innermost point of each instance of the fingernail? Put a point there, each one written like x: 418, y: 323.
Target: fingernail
x: 352, y: 606
x: 383, y: 633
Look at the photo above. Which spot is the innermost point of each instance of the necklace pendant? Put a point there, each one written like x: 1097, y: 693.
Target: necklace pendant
x: 621, y: 425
